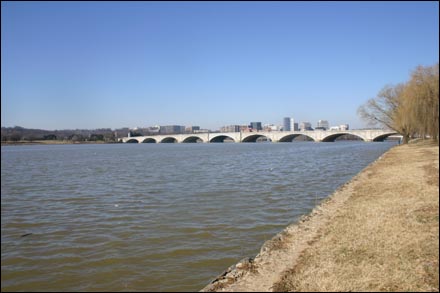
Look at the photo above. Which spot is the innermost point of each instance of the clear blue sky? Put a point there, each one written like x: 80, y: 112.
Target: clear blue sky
x: 67, y: 65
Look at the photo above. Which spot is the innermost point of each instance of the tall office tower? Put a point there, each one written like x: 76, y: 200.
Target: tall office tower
x: 292, y: 125
x: 289, y: 124
x: 295, y: 126
x: 256, y: 126
x: 286, y: 124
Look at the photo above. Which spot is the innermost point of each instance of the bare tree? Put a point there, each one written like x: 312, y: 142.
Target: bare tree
x: 386, y: 110
x: 411, y: 108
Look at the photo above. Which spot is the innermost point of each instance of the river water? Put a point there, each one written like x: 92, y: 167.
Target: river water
x: 156, y: 217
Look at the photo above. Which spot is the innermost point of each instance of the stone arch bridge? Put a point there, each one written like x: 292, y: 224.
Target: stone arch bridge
x: 273, y: 136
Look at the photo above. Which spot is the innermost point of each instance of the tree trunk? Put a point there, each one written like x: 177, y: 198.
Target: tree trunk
x: 405, y: 138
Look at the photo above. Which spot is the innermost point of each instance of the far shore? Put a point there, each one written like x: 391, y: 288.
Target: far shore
x: 37, y: 142
x: 377, y: 232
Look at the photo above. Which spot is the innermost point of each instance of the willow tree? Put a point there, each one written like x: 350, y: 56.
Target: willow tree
x: 387, y: 110
x: 421, y: 98
x: 411, y: 108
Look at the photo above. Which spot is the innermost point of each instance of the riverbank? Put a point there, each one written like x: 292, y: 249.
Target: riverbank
x: 377, y: 232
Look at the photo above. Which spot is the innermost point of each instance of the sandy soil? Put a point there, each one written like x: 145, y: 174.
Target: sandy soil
x: 377, y: 232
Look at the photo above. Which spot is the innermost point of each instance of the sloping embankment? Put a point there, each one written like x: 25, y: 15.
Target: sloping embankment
x: 378, y: 232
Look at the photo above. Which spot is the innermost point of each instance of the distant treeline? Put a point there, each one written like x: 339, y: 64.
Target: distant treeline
x: 17, y: 133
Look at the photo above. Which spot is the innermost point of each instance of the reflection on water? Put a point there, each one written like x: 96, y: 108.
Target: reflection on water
x: 155, y: 217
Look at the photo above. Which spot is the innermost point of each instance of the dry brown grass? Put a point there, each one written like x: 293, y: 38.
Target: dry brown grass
x: 431, y: 174
x: 249, y: 267
x: 277, y: 242
x: 385, y: 238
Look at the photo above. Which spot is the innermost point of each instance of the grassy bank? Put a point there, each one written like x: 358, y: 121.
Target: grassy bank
x: 378, y: 232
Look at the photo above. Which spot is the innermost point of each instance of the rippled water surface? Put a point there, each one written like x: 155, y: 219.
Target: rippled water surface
x: 155, y: 217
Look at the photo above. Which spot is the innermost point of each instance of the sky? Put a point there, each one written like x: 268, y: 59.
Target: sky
x: 87, y: 65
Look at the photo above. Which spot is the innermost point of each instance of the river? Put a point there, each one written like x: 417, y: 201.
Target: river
x: 156, y: 217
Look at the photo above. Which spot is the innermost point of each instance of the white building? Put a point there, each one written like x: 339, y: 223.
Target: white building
x: 154, y: 129
x: 323, y: 124
x: 343, y: 127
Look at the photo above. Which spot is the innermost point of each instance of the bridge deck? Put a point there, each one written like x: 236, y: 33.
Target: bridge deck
x: 274, y: 136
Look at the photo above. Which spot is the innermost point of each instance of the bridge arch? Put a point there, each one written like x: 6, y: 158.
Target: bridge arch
x: 384, y: 136
x: 256, y: 138
x: 192, y: 139
x: 222, y: 138
x: 333, y: 137
x: 132, y: 140
x: 149, y: 140
x: 169, y: 139
x: 291, y: 137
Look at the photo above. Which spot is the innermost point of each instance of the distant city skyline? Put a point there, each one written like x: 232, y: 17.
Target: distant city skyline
x: 88, y: 65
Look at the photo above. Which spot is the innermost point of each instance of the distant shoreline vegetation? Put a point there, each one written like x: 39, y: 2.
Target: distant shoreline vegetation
x: 21, y: 135
x: 46, y: 142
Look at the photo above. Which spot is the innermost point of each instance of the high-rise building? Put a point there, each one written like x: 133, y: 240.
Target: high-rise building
x: 322, y: 124
x: 295, y: 126
x: 286, y: 124
x: 289, y: 124
x: 305, y: 126
x: 256, y: 126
